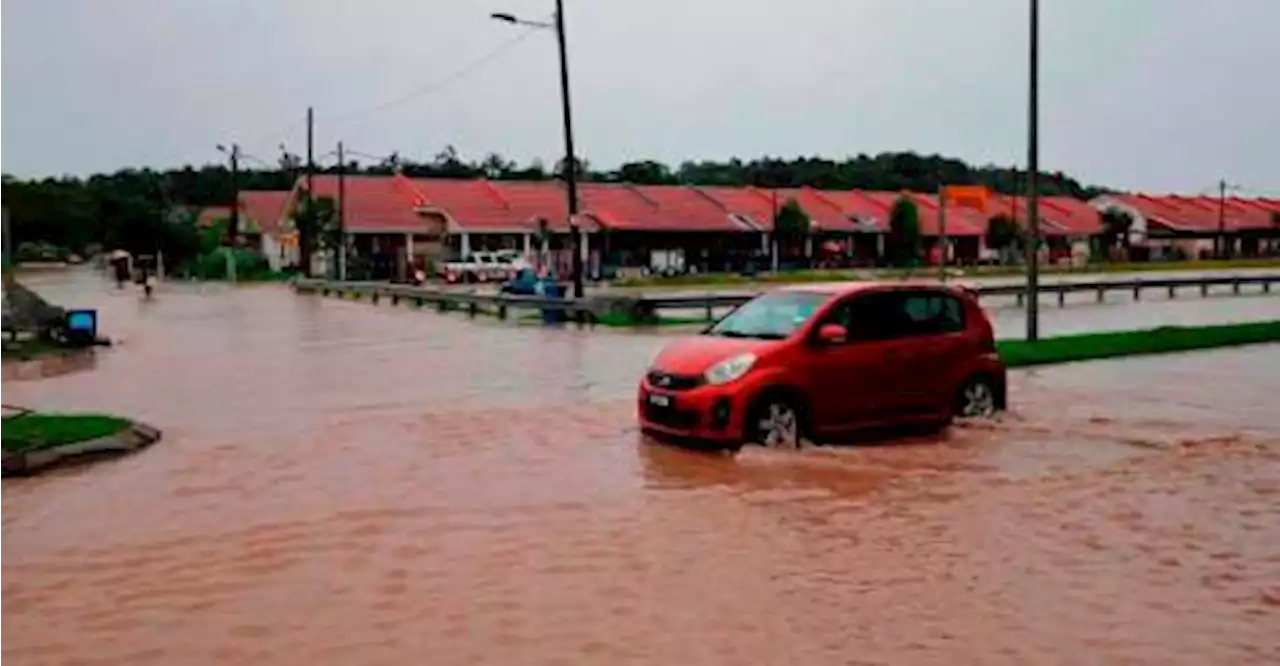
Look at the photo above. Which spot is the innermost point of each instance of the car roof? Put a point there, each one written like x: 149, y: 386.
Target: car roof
x: 860, y: 286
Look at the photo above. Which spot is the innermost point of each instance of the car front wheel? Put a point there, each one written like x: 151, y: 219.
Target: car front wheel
x: 776, y: 423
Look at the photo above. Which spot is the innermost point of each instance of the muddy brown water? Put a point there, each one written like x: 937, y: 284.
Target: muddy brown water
x: 348, y: 484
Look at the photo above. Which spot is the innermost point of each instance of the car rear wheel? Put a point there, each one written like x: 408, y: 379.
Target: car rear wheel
x: 776, y: 423
x: 976, y: 399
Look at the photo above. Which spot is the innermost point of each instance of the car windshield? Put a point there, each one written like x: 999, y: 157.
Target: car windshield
x: 770, y: 317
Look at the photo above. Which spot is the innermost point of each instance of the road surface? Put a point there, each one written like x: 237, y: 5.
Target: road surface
x: 342, y: 483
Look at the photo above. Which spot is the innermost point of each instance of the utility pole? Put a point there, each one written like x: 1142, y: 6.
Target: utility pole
x: 8, y: 245
x: 1221, y: 241
x: 942, y: 233
x: 1033, y: 179
x: 233, y: 226
x: 304, y: 235
x: 342, y: 215
x: 571, y: 169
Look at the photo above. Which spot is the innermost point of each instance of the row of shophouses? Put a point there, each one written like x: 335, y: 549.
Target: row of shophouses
x: 395, y: 224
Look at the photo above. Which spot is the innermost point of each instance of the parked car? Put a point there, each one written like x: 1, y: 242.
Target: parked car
x: 820, y: 361
x: 484, y: 267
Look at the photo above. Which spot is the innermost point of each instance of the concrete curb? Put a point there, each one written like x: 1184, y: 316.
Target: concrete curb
x: 132, y: 438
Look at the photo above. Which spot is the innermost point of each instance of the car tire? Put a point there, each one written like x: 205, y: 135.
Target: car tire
x: 977, y: 398
x: 776, y: 421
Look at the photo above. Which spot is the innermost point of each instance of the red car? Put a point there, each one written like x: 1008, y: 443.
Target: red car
x: 819, y: 361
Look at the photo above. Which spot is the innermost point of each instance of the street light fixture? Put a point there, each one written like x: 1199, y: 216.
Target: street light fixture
x: 570, y: 161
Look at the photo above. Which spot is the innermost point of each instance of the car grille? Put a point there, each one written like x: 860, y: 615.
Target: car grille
x: 671, y: 417
x: 674, y: 382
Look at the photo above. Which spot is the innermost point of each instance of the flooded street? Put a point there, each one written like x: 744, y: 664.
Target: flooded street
x: 341, y: 483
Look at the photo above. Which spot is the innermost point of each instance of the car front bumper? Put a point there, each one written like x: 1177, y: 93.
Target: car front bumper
x: 706, y: 413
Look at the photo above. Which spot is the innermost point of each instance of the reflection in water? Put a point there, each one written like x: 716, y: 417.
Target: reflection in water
x: 52, y: 365
x: 343, y: 483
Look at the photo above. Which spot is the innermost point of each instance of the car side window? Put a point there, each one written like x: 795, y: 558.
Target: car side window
x: 875, y: 316
x: 928, y: 313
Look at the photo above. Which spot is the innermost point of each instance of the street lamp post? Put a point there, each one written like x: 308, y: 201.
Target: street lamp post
x: 233, y: 225
x: 570, y: 161
x: 1033, y: 178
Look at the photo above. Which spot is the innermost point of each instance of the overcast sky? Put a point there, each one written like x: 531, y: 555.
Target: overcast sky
x: 1166, y: 95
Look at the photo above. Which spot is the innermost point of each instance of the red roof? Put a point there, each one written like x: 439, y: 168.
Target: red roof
x: 394, y: 204
x: 264, y: 208
x: 1201, y: 213
x: 960, y: 221
x: 374, y: 203
x: 1059, y: 216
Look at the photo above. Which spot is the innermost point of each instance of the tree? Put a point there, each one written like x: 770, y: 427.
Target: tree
x: 1116, y: 223
x: 316, y: 219
x: 791, y: 225
x: 1002, y: 234
x: 647, y: 172
x: 904, y: 231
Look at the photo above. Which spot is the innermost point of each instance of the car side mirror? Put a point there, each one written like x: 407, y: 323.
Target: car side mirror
x: 832, y: 334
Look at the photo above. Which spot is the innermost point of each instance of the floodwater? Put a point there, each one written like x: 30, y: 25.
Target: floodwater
x: 341, y: 483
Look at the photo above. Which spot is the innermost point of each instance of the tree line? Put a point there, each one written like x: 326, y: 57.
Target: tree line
x: 143, y: 210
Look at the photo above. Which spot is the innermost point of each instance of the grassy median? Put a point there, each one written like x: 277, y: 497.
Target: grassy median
x: 30, y: 431
x: 731, y: 280
x: 1089, y: 346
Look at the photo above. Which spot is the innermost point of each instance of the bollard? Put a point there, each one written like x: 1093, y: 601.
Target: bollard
x: 472, y: 308
x: 1235, y: 287
x: 1102, y: 294
x: 418, y: 301
x: 1062, y: 299
x: 502, y: 311
x: 442, y: 306
x: 1173, y: 291
x: 1204, y: 289
x: 1266, y: 286
x: 1019, y: 299
x: 1137, y: 292
x: 374, y: 297
x: 710, y: 314
x: 395, y: 299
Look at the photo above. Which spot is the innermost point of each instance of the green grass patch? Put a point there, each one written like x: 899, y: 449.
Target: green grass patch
x: 33, y: 432
x: 1089, y: 346
x: 730, y: 280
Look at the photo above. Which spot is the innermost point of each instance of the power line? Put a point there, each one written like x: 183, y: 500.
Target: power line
x: 433, y: 86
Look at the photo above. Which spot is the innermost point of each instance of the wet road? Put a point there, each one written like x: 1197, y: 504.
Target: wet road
x: 341, y: 483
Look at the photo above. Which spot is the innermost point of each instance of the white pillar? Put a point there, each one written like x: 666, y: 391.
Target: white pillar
x: 879, y: 246
x: 466, y: 245
x: 808, y: 246
x: 528, y: 244
x: 586, y: 250
x: 408, y: 248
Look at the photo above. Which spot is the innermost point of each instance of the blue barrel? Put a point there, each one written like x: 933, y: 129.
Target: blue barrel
x: 548, y: 288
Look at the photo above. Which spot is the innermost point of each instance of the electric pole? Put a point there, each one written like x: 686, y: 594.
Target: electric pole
x: 342, y: 214
x: 942, y: 233
x: 571, y: 175
x: 304, y: 235
x: 1033, y: 178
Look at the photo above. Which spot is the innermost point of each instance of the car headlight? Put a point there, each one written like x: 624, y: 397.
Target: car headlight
x: 730, y: 369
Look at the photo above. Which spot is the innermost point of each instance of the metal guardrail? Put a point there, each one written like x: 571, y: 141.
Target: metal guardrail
x: 646, y: 307
x: 446, y: 300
